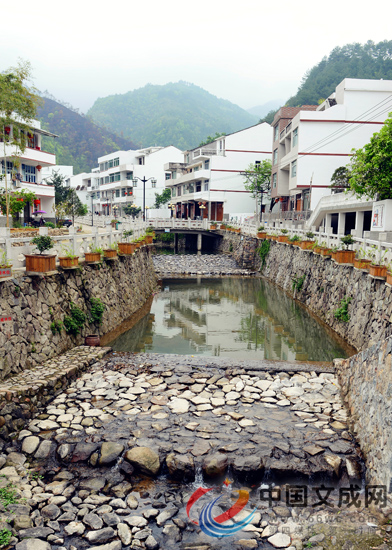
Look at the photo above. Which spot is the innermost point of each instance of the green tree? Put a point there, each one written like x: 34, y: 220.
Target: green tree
x: 371, y: 166
x: 18, y: 107
x: 133, y: 211
x: 17, y: 200
x: 258, y: 180
x: 60, y: 191
x: 163, y: 198
x: 340, y: 179
x: 210, y: 139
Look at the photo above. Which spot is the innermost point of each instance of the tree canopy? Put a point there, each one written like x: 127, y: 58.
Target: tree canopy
x: 371, y: 166
x: 258, y: 180
x: 162, y: 198
x: 66, y: 200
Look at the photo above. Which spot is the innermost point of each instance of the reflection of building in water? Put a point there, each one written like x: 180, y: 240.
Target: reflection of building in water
x: 232, y: 317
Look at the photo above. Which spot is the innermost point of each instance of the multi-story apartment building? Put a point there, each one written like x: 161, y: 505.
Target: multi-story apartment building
x: 208, y: 183
x: 29, y: 174
x: 311, y: 142
x: 111, y: 186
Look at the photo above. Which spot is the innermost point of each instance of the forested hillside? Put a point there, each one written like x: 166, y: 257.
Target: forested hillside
x: 179, y: 114
x: 370, y: 60
x: 80, y: 141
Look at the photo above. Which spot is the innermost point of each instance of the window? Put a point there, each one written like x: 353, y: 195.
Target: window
x: 174, y: 191
x: 117, y: 193
x: 198, y: 186
x: 275, y: 157
x: 28, y: 173
x: 276, y: 132
x: 129, y: 176
x: 110, y: 163
x: 179, y: 191
x: 123, y: 192
x: 114, y: 177
x: 186, y: 158
x: 295, y: 137
x: 294, y: 169
x: 141, y: 160
x: 106, y: 179
x: 167, y: 176
x: 116, y: 161
x: 98, y: 194
x: 185, y: 189
x: 207, y: 165
x: 10, y: 167
x: 257, y: 162
x: 274, y: 180
x: 174, y: 175
x: 206, y: 185
x: 191, y: 188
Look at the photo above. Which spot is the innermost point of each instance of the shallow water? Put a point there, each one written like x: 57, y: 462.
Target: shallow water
x: 234, y: 317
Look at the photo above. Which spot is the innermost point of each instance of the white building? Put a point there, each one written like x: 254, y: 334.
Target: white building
x: 208, y: 182
x: 310, y: 145
x: 28, y: 175
x: 110, y: 186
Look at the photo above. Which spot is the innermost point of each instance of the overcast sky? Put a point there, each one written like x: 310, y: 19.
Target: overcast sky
x: 248, y: 51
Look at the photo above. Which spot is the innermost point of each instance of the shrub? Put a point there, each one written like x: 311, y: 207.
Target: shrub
x: 262, y: 251
x: 74, y: 323
x: 342, y: 314
x: 97, y: 309
x: 297, y: 282
x: 49, y: 224
x: 43, y: 242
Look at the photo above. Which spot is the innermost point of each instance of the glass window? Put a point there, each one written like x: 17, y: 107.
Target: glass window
x: 28, y: 173
x: 206, y: 185
x: 110, y: 163
x: 179, y: 191
x: 294, y: 169
x: 207, y: 164
x: 98, y: 194
x: 295, y: 137
x: 114, y: 177
x: 174, y: 176
x: 191, y: 188
x: 116, y: 161
x: 129, y: 176
x: 198, y: 186
x: 274, y: 180
x: 123, y: 192
x: 276, y: 132
x: 117, y: 193
x: 275, y: 156
x: 174, y: 191
x: 167, y: 175
x: 106, y: 179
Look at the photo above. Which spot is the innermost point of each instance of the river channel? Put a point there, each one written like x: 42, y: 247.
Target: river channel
x: 234, y: 317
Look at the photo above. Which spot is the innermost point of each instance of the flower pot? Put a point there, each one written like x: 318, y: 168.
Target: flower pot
x: 109, y: 253
x: 90, y: 257
x: 148, y: 239
x: 344, y: 256
x: 378, y: 270
x: 213, y: 226
x: 360, y: 263
x: 389, y: 277
x: 5, y: 271
x: 261, y: 234
x: 223, y: 226
x: 306, y: 245
x: 40, y: 263
x: 126, y: 248
x: 92, y: 340
x: 68, y: 262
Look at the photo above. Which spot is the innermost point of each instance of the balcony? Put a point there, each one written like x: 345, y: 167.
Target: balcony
x: 192, y: 176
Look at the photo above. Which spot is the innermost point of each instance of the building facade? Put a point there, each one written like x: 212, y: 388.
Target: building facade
x: 28, y: 175
x: 111, y: 185
x: 310, y: 144
x: 208, y: 182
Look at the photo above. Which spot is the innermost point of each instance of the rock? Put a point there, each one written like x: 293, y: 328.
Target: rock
x: 166, y: 515
x: 102, y: 535
x: 334, y: 461
x: 353, y: 468
x: 115, y: 545
x: 93, y: 520
x: 215, y: 464
x: 36, y: 532
x: 83, y: 451
x: 151, y: 543
x: 124, y: 533
x: 269, y: 531
x: 93, y: 484
x: 74, y: 528
x: 51, y: 511
x: 132, y: 502
x: 180, y: 466
x: 172, y: 532
x: 179, y: 406
x: 22, y: 522
x: 317, y: 538
x: 43, y: 450
x: 144, y: 459
x: 313, y: 449
x: 247, y: 543
x: 33, y: 544
x: 110, y: 452
x: 30, y: 444
x: 244, y: 466
x: 280, y: 540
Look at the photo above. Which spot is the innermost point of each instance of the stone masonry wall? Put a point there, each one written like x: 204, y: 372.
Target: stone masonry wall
x: 33, y: 303
x: 366, y: 381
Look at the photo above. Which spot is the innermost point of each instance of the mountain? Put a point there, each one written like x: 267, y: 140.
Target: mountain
x: 261, y: 110
x: 80, y: 141
x: 370, y: 61
x: 179, y: 114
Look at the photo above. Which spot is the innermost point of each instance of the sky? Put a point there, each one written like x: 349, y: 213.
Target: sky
x: 247, y: 52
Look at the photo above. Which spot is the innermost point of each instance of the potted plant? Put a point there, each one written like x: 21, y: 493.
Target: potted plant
x: 126, y: 247
x: 213, y: 225
x: 376, y: 268
x: 150, y: 234
x: 345, y: 256
x: 69, y: 259
x: 94, y: 255
x: 308, y: 243
x: 283, y: 238
x: 41, y: 263
x: 261, y: 232
x: 5, y: 266
x: 111, y: 252
x: 361, y: 262
x: 389, y: 273
x: 294, y: 240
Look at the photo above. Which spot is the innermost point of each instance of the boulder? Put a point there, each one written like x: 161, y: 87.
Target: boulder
x: 144, y: 459
x: 215, y: 464
x: 180, y: 466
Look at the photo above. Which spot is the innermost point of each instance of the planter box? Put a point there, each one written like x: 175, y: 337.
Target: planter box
x: 148, y: 239
x: 5, y: 272
x: 378, y: 270
x: 92, y: 257
x: 66, y: 263
x: 213, y: 226
x: 325, y: 251
x: 306, y: 245
x: 344, y: 256
x: 40, y: 263
x: 283, y: 239
x: 389, y: 277
x: 361, y: 263
x: 109, y: 253
x: 261, y: 234
x: 126, y: 248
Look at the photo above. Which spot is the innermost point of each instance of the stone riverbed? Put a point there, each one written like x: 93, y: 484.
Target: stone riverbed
x: 201, y: 264
x: 111, y: 462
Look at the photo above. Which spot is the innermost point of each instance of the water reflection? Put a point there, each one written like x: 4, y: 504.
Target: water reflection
x: 229, y: 317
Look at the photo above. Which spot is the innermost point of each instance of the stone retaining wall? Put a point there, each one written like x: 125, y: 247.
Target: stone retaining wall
x: 34, y: 303
x: 366, y: 381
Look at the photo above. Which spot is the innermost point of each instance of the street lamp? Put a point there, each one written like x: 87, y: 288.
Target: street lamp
x: 144, y: 180
x: 202, y: 207
x: 147, y: 208
x: 92, y: 211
